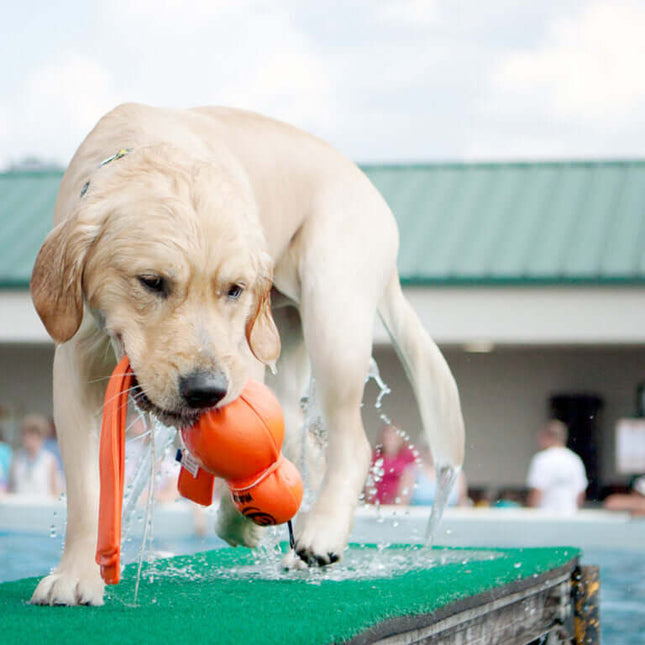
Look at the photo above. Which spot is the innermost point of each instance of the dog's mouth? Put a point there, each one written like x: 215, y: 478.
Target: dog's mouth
x: 179, y: 418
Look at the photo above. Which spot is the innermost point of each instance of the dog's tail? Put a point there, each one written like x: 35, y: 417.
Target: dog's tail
x: 432, y: 381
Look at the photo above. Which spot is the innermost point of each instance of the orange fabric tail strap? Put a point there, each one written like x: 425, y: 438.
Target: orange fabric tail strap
x: 111, y: 469
x: 195, y: 483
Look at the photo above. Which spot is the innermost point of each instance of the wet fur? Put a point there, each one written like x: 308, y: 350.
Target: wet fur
x: 211, y: 199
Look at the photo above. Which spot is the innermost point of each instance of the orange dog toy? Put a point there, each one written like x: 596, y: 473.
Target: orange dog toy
x: 240, y: 442
x: 111, y: 469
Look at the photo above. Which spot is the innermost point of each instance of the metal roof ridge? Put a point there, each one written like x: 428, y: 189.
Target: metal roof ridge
x: 510, y: 163
x: 523, y: 281
x: 409, y: 165
x: 35, y: 172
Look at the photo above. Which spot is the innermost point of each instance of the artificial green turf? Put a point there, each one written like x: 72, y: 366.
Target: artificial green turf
x: 206, y: 606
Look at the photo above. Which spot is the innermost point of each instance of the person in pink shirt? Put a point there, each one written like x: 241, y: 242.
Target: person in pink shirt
x: 390, y: 459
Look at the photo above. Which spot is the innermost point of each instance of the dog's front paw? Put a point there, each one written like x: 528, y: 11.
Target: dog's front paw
x: 235, y: 529
x: 321, y: 538
x: 70, y: 588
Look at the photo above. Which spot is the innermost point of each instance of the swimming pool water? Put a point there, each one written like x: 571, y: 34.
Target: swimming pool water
x: 622, y: 575
x: 622, y: 595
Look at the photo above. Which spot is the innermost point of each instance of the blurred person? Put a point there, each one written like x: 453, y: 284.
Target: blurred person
x: 510, y: 498
x: 632, y: 502
x: 6, y: 452
x: 139, y: 448
x: 556, y: 478
x: 136, y: 446
x: 418, y: 483
x: 167, y: 476
x: 389, y: 460
x: 34, y: 470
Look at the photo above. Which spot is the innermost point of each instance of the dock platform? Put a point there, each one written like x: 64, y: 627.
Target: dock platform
x: 398, y: 594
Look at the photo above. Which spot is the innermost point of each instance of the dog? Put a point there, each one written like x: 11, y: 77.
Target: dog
x: 209, y: 244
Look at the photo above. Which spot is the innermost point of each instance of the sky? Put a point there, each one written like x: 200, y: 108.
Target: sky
x: 382, y: 80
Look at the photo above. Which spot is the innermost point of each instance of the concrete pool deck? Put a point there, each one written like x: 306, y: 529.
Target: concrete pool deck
x: 465, y: 527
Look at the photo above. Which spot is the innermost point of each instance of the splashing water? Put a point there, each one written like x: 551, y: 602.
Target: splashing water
x: 368, y: 563
x: 313, y: 438
x: 376, y: 470
x: 161, y: 439
x: 374, y: 374
x: 446, y: 475
x: 160, y: 442
x: 365, y: 563
x: 446, y: 479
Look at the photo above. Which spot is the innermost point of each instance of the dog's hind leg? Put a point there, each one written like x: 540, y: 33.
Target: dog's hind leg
x: 291, y: 382
x: 78, y: 400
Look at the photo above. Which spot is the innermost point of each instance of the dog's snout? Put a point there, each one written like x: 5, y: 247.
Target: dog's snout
x: 203, y: 389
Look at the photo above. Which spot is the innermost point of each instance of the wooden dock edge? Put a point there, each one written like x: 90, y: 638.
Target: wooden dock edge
x: 559, y: 606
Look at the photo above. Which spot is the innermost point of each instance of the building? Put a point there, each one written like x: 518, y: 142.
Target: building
x: 530, y: 276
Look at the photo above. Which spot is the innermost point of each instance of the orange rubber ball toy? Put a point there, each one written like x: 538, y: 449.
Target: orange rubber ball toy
x: 240, y: 442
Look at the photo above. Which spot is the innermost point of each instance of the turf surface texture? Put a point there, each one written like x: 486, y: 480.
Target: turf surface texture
x: 200, y: 599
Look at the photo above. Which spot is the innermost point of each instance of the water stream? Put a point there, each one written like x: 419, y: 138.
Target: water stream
x: 156, y: 440
x: 357, y: 564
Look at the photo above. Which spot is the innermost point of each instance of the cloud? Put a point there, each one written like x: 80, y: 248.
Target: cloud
x: 413, y: 13
x: 589, y: 68
x: 54, y: 108
x: 380, y: 79
x: 575, y: 91
x: 247, y: 53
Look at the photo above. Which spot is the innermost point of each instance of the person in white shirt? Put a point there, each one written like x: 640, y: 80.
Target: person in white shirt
x: 556, y: 477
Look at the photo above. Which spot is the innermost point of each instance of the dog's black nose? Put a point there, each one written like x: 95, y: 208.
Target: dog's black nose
x: 203, y: 389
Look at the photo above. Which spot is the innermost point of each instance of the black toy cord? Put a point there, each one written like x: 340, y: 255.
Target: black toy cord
x: 292, y: 540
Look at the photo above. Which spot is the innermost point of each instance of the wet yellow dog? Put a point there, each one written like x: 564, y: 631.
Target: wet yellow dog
x: 195, y: 241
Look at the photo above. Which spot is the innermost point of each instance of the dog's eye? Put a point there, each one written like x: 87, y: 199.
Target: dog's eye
x: 154, y: 284
x: 235, y: 291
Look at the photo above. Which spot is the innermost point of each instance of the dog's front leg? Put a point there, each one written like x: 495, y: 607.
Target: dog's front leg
x: 77, y: 406
x: 340, y: 351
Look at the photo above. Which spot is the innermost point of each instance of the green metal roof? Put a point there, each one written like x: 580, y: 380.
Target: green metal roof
x: 461, y: 223
x: 26, y: 210
x: 506, y: 223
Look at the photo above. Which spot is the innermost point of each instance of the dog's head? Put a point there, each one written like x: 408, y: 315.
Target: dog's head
x: 169, y: 257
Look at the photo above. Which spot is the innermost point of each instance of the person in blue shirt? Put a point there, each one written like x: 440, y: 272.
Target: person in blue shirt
x: 418, y: 483
x: 6, y: 455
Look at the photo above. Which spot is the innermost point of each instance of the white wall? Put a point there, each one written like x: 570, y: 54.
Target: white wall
x: 25, y: 381
x: 502, y: 315
x: 505, y: 400
x: 504, y: 395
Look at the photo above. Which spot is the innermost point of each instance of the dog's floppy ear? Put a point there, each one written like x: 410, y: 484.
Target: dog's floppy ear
x: 261, y: 333
x: 56, y: 279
